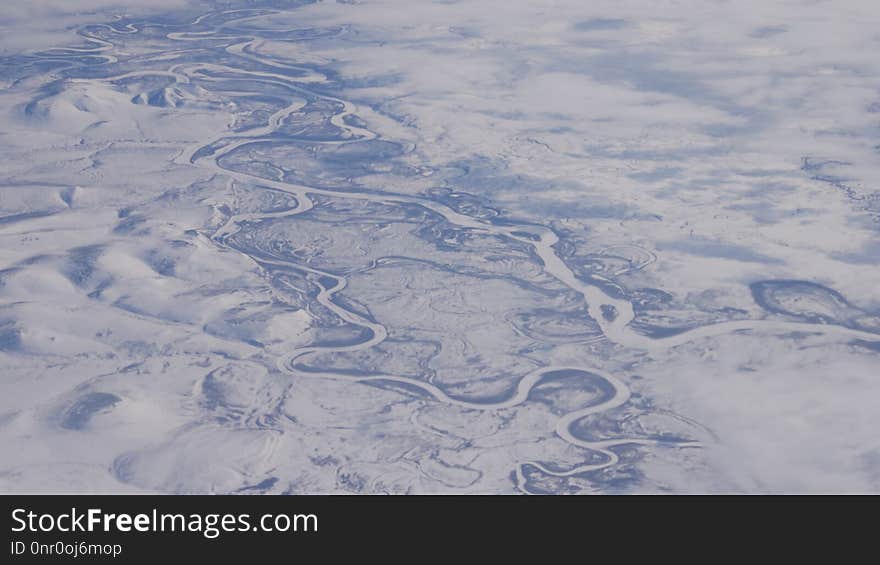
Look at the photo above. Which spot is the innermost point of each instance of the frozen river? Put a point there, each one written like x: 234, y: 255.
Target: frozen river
x: 402, y: 248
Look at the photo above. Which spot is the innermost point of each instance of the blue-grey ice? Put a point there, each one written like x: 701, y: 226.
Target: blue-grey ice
x: 413, y: 246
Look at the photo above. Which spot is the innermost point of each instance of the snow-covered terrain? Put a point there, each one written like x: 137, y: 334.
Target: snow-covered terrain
x: 406, y: 246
